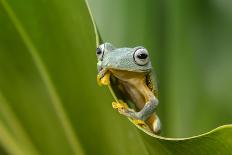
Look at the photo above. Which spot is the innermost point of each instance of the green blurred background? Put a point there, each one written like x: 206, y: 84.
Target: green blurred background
x: 190, y: 43
x: 50, y: 102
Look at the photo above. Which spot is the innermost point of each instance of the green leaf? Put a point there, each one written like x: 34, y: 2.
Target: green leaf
x: 49, y: 99
x: 25, y: 79
x: 190, y: 46
x: 217, y: 141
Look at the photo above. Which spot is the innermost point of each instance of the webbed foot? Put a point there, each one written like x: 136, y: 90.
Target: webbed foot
x: 139, y: 122
x: 122, y: 108
x: 119, y: 105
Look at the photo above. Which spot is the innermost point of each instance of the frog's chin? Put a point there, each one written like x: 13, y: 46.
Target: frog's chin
x: 130, y: 70
x: 126, y: 75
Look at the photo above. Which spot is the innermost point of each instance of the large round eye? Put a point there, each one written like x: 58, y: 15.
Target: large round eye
x: 141, y: 56
x: 100, y: 52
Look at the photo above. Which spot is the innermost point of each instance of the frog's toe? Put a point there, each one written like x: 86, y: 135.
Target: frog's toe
x: 103, y: 78
x: 99, y: 80
x: 139, y: 122
x: 119, y: 105
x: 124, y: 104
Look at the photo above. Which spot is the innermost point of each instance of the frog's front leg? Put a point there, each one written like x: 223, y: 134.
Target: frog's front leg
x: 144, y: 113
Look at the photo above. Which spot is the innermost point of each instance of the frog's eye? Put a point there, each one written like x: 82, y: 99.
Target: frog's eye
x: 100, y: 52
x: 141, y: 56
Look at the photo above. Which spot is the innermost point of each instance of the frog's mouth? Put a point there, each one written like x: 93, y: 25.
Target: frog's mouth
x: 131, y: 87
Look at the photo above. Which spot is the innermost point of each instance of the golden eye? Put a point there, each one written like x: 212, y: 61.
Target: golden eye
x: 141, y: 56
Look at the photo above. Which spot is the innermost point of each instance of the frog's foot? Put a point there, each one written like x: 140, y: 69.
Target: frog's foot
x: 142, y: 124
x: 123, y: 108
x: 139, y: 122
x: 103, y: 78
x: 119, y: 105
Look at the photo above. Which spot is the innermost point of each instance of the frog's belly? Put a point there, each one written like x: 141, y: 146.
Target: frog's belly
x: 134, y: 95
x: 134, y: 86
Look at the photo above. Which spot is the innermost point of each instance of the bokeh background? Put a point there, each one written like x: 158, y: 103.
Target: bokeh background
x: 190, y: 43
x: 50, y: 102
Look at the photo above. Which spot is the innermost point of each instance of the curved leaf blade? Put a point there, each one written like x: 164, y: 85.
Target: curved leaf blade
x: 62, y: 34
x: 217, y: 141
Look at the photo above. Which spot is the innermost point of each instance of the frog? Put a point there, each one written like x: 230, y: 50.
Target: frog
x: 129, y: 73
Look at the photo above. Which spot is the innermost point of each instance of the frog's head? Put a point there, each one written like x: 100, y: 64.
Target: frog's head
x: 126, y: 59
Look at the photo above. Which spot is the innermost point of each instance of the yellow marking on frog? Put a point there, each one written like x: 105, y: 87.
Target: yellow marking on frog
x: 105, y: 80
x: 99, y: 80
x: 138, y: 122
x: 119, y: 105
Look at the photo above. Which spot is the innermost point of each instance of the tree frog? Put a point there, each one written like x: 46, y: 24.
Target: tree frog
x: 128, y: 72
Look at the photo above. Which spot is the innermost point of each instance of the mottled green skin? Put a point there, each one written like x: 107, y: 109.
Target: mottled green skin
x: 122, y: 58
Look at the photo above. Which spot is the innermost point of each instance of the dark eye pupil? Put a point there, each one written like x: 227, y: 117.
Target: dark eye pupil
x: 142, y: 56
x: 98, y: 50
